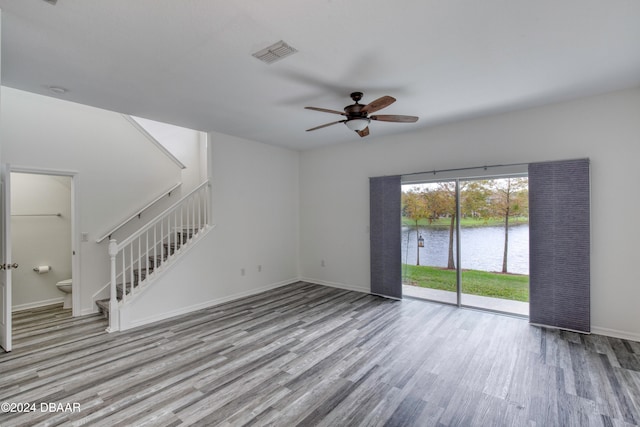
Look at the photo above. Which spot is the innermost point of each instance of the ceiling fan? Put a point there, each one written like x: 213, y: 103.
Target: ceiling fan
x: 357, y: 115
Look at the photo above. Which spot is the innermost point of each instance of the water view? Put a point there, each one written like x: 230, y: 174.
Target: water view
x: 482, y: 247
x: 483, y: 206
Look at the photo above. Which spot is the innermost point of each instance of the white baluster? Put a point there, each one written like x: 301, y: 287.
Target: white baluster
x: 169, y: 236
x: 193, y: 214
x: 175, y: 227
x: 162, y: 238
x: 199, y: 211
x: 155, y: 246
x: 181, y: 221
x: 139, y: 262
x: 206, y: 206
x: 130, y: 269
x: 146, y: 251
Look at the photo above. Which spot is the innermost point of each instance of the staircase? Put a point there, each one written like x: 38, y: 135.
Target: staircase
x: 139, y: 275
x: 142, y: 257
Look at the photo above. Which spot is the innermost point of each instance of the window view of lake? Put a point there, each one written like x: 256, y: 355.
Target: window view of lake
x: 484, y: 207
x: 482, y: 247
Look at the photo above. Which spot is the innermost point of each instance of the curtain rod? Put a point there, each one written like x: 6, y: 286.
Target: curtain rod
x: 485, y: 167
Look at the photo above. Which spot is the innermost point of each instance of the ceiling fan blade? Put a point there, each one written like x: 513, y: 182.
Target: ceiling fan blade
x: 364, y: 132
x: 378, y: 104
x: 324, y: 110
x: 325, y: 125
x: 395, y: 118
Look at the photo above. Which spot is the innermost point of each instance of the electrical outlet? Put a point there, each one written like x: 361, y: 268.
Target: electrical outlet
x: 322, y: 264
x: 242, y: 271
x: 259, y: 268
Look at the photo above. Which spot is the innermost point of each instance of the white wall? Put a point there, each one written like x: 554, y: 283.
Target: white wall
x: 118, y: 169
x: 255, y: 212
x: 334, y: 188
x: 40, y: 240
x: 184, y: 144
x: 287, y: 211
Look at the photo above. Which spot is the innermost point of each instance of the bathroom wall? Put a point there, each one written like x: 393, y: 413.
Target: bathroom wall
x: 40, y: 240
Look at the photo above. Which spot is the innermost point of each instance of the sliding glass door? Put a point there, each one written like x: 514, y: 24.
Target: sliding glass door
x: 465, y: 242
x: 429, y: 241
x: 494, y: 241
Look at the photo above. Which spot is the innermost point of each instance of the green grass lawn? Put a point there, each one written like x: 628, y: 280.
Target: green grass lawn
x: 474, y: 282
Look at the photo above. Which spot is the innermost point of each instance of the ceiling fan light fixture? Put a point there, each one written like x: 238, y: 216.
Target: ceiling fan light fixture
x: 357, y: 115
x: 357, y: 124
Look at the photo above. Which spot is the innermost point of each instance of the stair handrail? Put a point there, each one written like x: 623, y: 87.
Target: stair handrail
x: 139, y: 212
x: 161, y: 215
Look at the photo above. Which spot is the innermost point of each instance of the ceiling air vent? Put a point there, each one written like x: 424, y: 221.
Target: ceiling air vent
x: 275, y: 52
x: 53, y: 2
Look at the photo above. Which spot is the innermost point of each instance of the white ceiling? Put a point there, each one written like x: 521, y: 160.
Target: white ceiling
x: 189, y: 62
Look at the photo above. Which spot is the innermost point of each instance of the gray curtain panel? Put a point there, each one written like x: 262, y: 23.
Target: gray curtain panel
x: 385, y: 229
x: 559, y: 244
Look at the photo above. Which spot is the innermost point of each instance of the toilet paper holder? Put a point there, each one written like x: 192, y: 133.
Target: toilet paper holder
x: 42, y: 269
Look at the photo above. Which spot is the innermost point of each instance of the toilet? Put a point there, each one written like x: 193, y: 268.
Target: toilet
x: 65, y: 286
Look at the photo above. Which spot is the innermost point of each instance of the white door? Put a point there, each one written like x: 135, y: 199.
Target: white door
x: 5, y: 259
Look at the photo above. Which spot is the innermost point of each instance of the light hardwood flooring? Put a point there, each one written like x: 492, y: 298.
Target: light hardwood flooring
x: 310, y: 355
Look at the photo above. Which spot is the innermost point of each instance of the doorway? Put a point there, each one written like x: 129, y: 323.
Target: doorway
x: 465, y: 242
x: 40, y: 238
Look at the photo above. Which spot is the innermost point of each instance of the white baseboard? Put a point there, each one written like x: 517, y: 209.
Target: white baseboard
x: 36, y: 304
x: 124, y: 325
x: 631, y: 336
x: 337, y: 285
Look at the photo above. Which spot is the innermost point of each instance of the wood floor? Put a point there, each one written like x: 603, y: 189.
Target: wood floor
x: 311, y: 355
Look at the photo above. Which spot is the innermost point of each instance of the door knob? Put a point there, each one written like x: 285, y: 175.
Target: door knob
x: 8, y: 266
